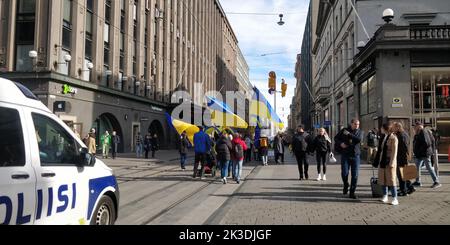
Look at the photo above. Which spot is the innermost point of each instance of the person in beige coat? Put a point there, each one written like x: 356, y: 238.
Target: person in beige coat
x: 387, y: 172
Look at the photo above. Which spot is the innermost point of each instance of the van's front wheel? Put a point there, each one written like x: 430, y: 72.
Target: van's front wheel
x: 105, y: 213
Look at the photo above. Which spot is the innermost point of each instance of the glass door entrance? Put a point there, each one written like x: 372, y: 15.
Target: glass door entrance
x: 431, y: 102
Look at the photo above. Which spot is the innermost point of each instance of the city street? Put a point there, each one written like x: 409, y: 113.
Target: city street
x: 158, y: 192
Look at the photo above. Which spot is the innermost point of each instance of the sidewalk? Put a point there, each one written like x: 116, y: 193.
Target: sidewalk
x: 274, y: 195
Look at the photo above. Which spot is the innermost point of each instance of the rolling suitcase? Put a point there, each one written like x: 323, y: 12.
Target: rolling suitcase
x: 377, y: 190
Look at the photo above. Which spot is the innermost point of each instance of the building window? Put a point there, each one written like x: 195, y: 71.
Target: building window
x: 431, y: 89
x: 350, y: 108
x: 25, y: 34
x: 67, y: 24
x: 89, y: 29
x: 367, y: 96
x: 106, y: 34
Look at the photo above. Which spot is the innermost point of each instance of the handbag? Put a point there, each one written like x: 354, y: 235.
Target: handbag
x: 409, y: 172
x: 332, y: 158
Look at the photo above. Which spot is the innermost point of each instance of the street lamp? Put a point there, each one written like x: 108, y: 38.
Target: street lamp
x: 67, y: 59
x: 33, y: 54
x: 388, y: 15
x: 89, y: 67
x: 281, y: 22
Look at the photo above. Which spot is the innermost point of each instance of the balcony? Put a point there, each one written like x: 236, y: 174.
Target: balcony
x: 323, y: 95
x: 429, y: 32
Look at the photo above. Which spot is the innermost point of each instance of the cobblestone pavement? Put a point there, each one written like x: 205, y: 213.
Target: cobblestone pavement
x: 273, y: 195
x: 157, y: 191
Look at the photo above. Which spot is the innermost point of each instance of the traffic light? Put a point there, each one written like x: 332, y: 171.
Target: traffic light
x: 272, y: 80
x: 284, y: 88
x: 272, y: 83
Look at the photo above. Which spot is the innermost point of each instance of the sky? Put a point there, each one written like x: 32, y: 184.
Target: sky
x: 260, y: 34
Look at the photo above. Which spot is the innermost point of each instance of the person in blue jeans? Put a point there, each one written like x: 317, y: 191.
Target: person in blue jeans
x: 223, y: 149
x: 423, y: 151
x: 202, y: 146
x: 348, y: 143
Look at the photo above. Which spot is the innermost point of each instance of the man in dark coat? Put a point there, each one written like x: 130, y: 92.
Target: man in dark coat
x: 184, y: 145
x: 348, y: 141
x: 300, y: 148
x: 278, y: 146
x: 423, y: 151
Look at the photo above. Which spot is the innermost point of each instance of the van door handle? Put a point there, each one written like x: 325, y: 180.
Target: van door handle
x: 20, y: 176
x: 48, y: 174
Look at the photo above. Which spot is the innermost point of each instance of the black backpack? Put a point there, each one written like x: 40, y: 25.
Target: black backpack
x: 337, y: 146
x: 372, y: 140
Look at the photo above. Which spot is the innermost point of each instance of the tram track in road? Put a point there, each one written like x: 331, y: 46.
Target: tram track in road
x: 178, y: 202
x: 125, y: 179
x: 187, y: 197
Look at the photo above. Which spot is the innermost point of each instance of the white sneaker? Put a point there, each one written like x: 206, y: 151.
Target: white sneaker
x: 394, y: 202
x: 224, y: 180
x: 324, y: 177
x: 385, y: 199
x: 319, y: 178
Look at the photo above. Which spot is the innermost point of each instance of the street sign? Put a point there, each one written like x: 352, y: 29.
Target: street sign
x: 327, y: 123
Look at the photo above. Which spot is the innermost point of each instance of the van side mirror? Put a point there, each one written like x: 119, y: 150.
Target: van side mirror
x: 86, y: 159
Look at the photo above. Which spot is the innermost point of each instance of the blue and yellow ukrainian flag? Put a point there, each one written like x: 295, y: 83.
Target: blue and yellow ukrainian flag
x: 181, y: 126
x: 261, y: 109
x: 222, y: 115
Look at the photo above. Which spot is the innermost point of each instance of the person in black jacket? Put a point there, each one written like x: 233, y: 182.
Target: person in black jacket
x: 278, y: 146
x: 223, y: 149
x: 300, y: 148
x: 348, y: 144
x: 322, y: 146
x: 154, y: 145
x: 184, y: 145
x: 423, y: 151
x: 402, y: 158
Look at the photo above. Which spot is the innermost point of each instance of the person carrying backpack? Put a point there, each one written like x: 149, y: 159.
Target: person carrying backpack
x: 300, y: 145
x: 239, y: 147
x: 264, y: 149
x: 372, y: 145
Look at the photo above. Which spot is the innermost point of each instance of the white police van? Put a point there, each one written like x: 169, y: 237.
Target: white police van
x: 46, y: 174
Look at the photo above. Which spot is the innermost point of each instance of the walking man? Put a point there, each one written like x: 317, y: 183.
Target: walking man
x: 115, y: 140
x: 348, y: 143
x: 278, y: 145
x: 300, y: 149
x: 184, y: 144
x: 106, y: 143
x: 423, y: 151
x: 201, y: 146
x: 139, y: 142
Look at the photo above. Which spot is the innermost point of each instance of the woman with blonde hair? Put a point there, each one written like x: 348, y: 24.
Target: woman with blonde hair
x: 322, y: 147
x: 387, y: 162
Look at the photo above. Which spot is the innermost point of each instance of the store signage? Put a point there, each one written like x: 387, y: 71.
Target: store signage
x: 364, y: 70
x: 59, y: 106
x: 157, y: 109
x: 397, y: 103
x: 69, y: 90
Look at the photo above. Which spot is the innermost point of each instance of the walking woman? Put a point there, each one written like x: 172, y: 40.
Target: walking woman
x: 322, y: 146
x: 387, y: 162
x: 223, y: 149
x: 402, y: 158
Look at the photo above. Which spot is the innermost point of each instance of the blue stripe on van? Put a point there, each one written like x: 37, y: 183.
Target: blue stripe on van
x: 96, y: 186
